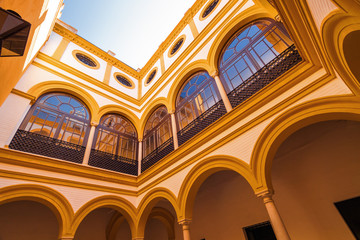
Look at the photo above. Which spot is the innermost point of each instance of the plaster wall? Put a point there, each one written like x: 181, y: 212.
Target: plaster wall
x: 12, y: 113
x: 51, y: 44
x: 320, y: 9
x: 70, y: 60
x: 133, y: 92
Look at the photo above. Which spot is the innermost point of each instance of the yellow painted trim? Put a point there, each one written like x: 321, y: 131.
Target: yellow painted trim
x: 148, y: 203
x: 205, y: 168
x: 204, y: 8
x: 122, y: 205
x: 121, y: 111
x: 126, y: 77
x: 10, y: 156
x: 107, y: 74
x: 149, y: 110
x: 61, y: 48
x: 24, y: 95
x: 145, y: 80
x: 238, y: 113
x: 57, y: 86
x: 96, y: 83
x: 173, y: 45
x: 87, y: 55
x: 333, y: 108
x: 162, y: 64
x: 55, y: 201
x: 193, y: 28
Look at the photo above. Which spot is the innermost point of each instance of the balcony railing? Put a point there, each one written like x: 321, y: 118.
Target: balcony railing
x: 201, y: 122
x: 113, y: 162
x: 275, y: 68
x: 35, y: 143
x: 159, y: 153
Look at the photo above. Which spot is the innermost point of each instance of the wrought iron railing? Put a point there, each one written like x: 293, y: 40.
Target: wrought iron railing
x: 275, y: 68
x: 35, y: 143
x: 201, y: 122
x: 113, y: 162
x: 159, y: 153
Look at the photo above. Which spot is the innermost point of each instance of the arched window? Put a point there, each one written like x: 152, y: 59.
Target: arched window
x: 197, y: 95
x: 117, y: 136
x: 58, y: 116
x: 157, y: 130
x: 250, y: 49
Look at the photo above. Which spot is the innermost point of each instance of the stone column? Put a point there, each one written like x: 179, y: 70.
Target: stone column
x: 140, y: 155
x: 174, y: 130
x: 186, y: 228
x: 89, y: 143
x: 275, y: 218
x: 222, y: 91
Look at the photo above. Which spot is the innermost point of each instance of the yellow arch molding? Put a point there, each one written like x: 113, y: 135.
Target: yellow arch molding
x: 166, y: 218
x: 335, y: 108
x: 199, y: 65
x: 121, y: 111
x: 114, y: 225
x: 117, y: 203
x: 241, y: 20
x: 202, y: 171
x: 57, y: 86
x: 147, y: 204
x: 149, y: 110
x: 335, y: 27
x: 57, y: 203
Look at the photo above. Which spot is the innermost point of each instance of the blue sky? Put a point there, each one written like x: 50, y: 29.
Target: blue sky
x: 133, y: 29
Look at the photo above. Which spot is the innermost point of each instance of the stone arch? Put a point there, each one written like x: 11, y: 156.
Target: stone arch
x: 52, y: 199
x: 147, y: 204
x: 57, y: 86
x: 182, y: 77
x: 149, y: 110
x: 202, y: 171
x: 229, y: 30
x: 124, y: 207
x: 336, y: 27
x: 334, y: 108
x: 121, y: 111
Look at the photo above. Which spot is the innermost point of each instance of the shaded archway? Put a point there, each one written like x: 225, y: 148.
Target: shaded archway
x: 50, y: 198
x: 159, y: 197
x: 117, y: 204
x: 218, y: 198
x: 314, y: 168
x: 334, y: 108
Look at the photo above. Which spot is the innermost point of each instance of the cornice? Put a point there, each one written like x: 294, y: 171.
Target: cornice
x: 62, y: 31
x: 86, y: 77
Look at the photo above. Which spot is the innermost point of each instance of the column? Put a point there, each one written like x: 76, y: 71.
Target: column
x: 222, y: 91
x: 138, y: 238
x: 174, y: 130
x: 275, y: 219
x: 186, y: 228
x: 66, y: 238
x: 139, y: 155
x: 89, y: 143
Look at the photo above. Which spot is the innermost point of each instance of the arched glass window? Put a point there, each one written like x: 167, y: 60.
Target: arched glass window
x: 250, y: 49
x: 197, y: 95
x: 157, y: 130
x: 58, y: 116
x: 116, y: 135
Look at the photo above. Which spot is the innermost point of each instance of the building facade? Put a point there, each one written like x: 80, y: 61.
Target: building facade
x: 244, y: 124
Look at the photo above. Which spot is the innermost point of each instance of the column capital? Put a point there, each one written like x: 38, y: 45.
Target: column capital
x: 138, y: 238
x: 214, y: 73
x: 266, y: 195
x: 66, y: 238
x: 94, y: 124
x: 140, y: 139
x: 185, y: 222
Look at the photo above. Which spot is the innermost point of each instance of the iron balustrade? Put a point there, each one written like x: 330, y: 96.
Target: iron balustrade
x: 201, y: 122
x: 113, y: 162
x: 275, y: 68
x: 38, y: 144
x: 159, y: 153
